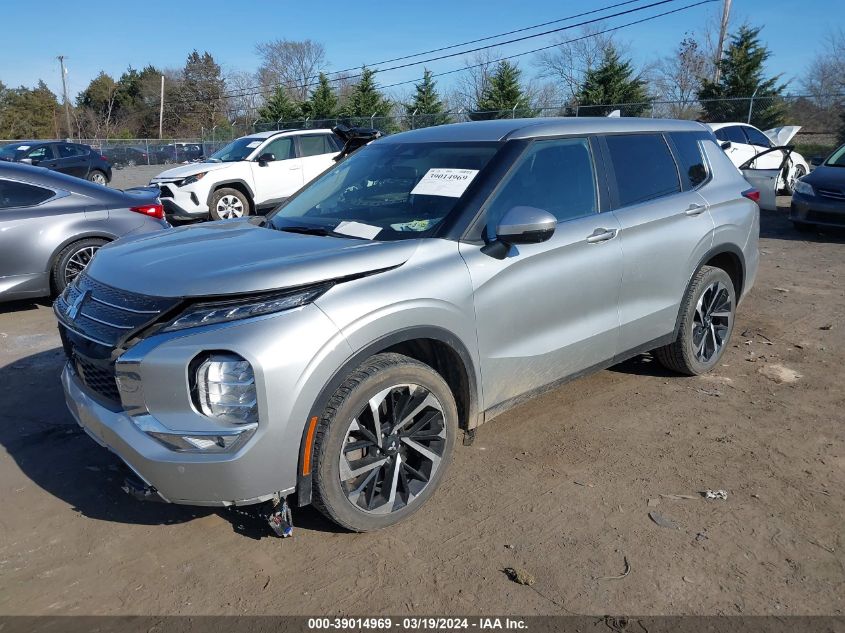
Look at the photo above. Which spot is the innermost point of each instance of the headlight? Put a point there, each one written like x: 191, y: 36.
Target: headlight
x: 223, y: 311
x: 804, y: 188
x: 192, y: 179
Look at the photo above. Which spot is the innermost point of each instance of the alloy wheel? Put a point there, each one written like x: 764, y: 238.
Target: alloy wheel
x: 796, y: 173
x: 230, y: 207
x: 712, y: 321
x: 392, y: 449
x: 78, y: 261
x: 98, y: 178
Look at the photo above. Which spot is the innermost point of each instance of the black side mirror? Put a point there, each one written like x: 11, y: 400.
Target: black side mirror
x: 521, y: 225
x: 267, y: 157
x: 725, y: 145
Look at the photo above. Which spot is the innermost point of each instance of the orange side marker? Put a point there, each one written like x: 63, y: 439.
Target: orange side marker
x: 309, y: 442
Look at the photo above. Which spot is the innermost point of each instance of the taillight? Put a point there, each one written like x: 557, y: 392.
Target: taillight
x: 152, y: 210
x: 752, y: 194
x: 104, y: 158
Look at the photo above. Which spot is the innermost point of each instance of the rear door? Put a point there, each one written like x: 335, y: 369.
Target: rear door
x: 317, y: 152
x: 73, y: 159
x: 547, y: 310
x: 280, y: 178
x: 665, y: 227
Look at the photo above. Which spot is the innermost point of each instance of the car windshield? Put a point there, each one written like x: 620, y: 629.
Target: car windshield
x: 237, y: 150
x: 387, y: 192
x: 837, y: 159
x: 14, y: 151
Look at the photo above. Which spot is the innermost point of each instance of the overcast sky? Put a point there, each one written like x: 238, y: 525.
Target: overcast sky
x: 118, y: 34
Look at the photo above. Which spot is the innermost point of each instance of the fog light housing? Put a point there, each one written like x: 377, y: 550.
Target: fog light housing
x: 224, y: 389
x: 196, y: 441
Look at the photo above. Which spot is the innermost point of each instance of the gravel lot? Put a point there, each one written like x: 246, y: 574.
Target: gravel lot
x: 136, y: 176
x: 561, y: 487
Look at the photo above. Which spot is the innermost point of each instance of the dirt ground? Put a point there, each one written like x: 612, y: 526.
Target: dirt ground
x: 560, y: 487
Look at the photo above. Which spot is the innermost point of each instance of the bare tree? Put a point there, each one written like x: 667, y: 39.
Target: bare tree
x: 292, y: 64
x: 470, y: 86
x: 244, y: 96
x: 567, y: 63
x: 826, y: 74
x: 677, y: 78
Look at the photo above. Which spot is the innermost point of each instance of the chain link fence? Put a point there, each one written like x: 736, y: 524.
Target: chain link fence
x: 822, y: 119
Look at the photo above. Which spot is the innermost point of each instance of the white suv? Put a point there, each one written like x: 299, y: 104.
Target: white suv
x: 250, y: 173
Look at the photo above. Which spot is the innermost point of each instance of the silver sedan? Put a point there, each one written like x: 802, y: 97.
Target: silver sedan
x: 51, y: 225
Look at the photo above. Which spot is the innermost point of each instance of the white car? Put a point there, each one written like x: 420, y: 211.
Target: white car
x: 250, y: 173
x: 746, y: 141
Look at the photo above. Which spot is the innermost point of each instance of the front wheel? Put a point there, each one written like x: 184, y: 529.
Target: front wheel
x: 227, y: 204
x: 707, y: 320
x: 383, y: 443
x: 798, y: 172
x: 73, y: 259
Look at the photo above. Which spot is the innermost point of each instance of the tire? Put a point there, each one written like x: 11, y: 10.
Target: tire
x: 98, y: 177
x: 803, y: 227
x: 408, y: 470
x: 72, y: 260
x: 707, y: 319
x: 793, y: 177
x: 228, y: 203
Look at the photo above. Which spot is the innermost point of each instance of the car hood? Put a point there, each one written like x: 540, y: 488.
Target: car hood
x: 236, y: 257
x: 825, y: 176
x: 189, y: 170
x: 782, y: 135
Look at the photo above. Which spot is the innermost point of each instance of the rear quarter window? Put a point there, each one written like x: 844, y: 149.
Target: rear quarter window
x: 20, y: 194
x: 690, y: 157
x: 643, y: 166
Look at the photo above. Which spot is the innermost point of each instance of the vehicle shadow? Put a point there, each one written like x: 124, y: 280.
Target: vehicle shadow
x: 23, y: 305
x: 643, y: 365
x: 40, y: 435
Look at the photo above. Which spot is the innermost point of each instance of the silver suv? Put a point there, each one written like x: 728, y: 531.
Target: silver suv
x: 419, y: 288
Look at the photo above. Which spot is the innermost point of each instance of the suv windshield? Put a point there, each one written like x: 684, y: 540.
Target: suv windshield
x: 237, y: 150
x: 837, y: 159
x: 387, y: 192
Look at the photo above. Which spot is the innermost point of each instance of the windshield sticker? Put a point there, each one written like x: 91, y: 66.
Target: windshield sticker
x: 22, y: 148
x: 414, y: 225
x: 447, y: 182
x: 253, y: 145
x: 357, y: 229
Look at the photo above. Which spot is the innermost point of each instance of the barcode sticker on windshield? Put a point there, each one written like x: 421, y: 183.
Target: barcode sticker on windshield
x: 357, y: 229
x: 447, y: 182
x: 254, y: 144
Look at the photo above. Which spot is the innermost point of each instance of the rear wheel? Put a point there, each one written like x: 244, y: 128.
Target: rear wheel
x: 98, y: 177
x: 73, y: 259
x: 228, y: 203
x: 383, y: 443
x: 707, y: 320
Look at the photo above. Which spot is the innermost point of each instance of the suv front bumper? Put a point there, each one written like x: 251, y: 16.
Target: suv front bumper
x: 181, y: 203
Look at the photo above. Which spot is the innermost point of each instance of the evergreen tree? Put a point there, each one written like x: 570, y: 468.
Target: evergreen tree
x: 503, y: 96
x: 28, y: 113
x: 741, y: 77
x: 612, y: 82
x: 280, y: 107
x: 323, y: 101
x: 426, y: 109
x: 365, y: 100
x: 199, y: 97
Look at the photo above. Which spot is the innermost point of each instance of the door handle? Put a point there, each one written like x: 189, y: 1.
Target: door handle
x: 601, y: 235
x: 695, y: 209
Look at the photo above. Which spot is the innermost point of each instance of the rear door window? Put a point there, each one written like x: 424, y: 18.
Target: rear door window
x: 315, y: 145
x: 67, y: 150
x: 20, y: 194
x: 690, y: 157
x: 644, y: 167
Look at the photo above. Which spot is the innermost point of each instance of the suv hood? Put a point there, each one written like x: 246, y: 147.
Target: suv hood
x: 236, y: 257
x: 189, y: 170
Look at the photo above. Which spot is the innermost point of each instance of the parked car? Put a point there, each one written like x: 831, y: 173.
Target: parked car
x: 742, y: 142
x: 67, y: 158
x: 178, y: 153
x: 51, y: 225
x: 819, y: 197
x: 250, y: 173
x: 127, y: 156
x: 424, y: 285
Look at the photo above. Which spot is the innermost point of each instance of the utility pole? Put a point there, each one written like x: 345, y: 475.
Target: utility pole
x: 723, y: 29
x: 161, y: 109
x: 64, y: 94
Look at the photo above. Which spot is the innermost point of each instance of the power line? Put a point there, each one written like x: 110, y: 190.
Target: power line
x: 263, y: 90
x: 543, y: 48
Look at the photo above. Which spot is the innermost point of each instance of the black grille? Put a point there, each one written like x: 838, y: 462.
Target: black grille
x: 826, y: 218
x: 95, y: 320
x: 98, y: 378
x: 834, y: 194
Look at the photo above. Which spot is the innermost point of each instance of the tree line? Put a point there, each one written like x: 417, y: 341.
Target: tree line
x: 292, y: 84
